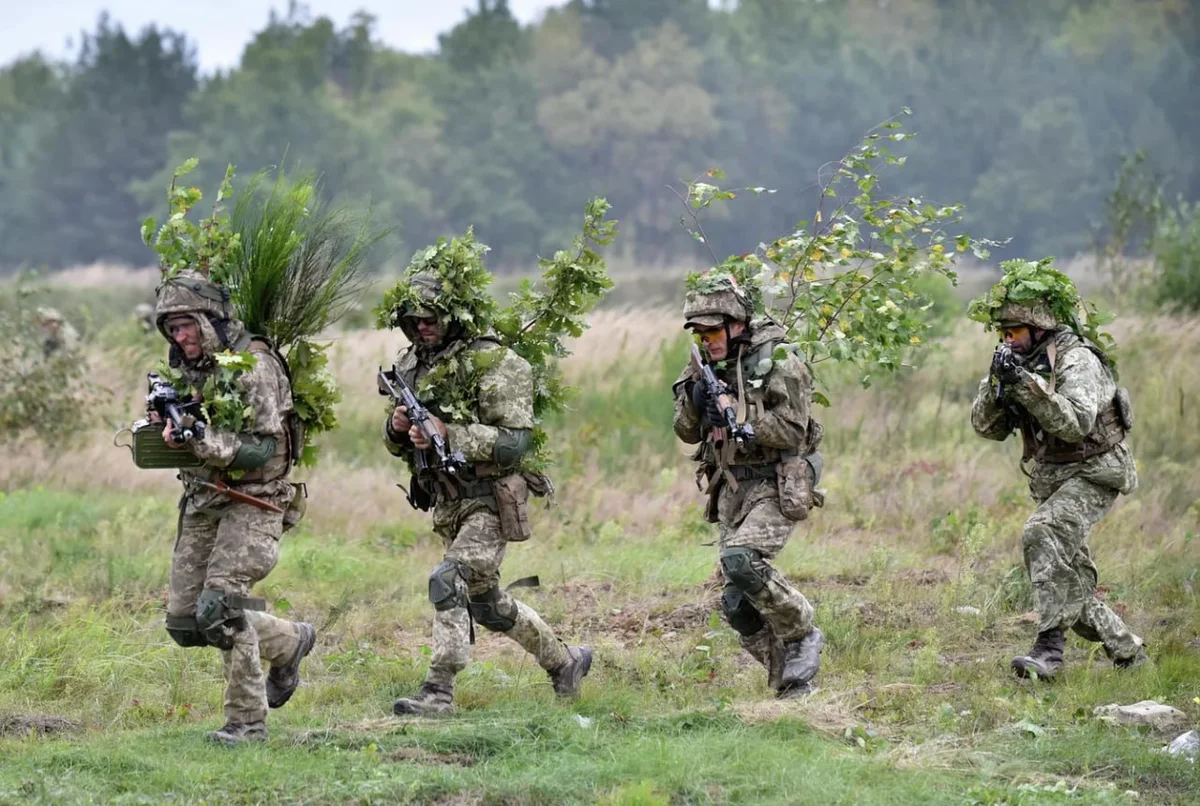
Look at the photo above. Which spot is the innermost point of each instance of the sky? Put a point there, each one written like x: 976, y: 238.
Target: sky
x: 221, y: 28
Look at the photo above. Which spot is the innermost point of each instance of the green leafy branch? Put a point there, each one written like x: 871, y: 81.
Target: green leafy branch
x: 844, y: 283
x: 209, y: 247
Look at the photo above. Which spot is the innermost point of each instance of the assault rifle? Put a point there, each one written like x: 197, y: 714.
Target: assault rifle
x: 742, y: 433
x: 1003, y: 363
x: 184, y: 415
x: 418, y: 415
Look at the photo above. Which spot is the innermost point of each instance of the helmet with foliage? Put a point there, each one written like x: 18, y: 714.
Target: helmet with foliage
x: 1029, y: 293
x: 714, y: 299
x: 189, y: 292
x: 447, y: 280
x: 1035, y: 313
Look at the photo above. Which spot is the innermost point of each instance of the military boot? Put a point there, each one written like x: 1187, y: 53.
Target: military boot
x: 566, y: 678
x: 801, y: 662
x: 1046, y: 657
x: 282, y: 680
x: 235, y: 733
x: 430, y: 700
x: 1139, y: 658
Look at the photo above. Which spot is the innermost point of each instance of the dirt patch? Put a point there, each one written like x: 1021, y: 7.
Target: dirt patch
x: 418, y: 755
x: 37, y: 724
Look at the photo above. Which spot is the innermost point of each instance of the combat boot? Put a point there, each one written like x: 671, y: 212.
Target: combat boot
x: 282, y: 680
x: 566, y: 678
x: 1139, y: 658
x: 1046, y: 657
x: 235, y: 733
x: 430, y: 700
x: 801, y: 662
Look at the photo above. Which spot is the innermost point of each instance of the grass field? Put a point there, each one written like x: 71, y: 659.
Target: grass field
x: 913, y: 566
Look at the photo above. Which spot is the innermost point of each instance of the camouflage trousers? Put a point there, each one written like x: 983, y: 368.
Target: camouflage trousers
x: 478, y: 549
x: 229, y: 549
x: 1061, y: 569
x: 750, y: 518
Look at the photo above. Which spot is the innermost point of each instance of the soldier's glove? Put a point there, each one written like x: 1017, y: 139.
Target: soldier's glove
x: 708, y: 406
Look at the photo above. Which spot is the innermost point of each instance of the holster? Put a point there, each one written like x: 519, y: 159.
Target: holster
x: 298, y: 506
x: 512, y: 497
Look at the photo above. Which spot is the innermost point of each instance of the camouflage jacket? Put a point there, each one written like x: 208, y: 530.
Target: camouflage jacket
x: 1070, y: 403
x: 499, y: 408
x: 778, y: 401
x: 269, y: 394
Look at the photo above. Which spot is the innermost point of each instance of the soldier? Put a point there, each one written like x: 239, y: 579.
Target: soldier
x: 57, y: 333
x: 482, y: 507
x: 225, y: 546
x: 773, y: 620
x: 1058, y: 390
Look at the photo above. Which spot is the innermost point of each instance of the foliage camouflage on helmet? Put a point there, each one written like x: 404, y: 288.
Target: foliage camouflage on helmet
x: 447, y: 279
x: 1037, y: 294
x: 716, y: 297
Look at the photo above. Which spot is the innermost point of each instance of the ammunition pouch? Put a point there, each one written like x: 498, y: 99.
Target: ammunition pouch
x: 446, y: 586
x: 737, y: 564
x: 185, y: 631
x: 1124, y: 406
x: 742, y: 616
x: 512, y: 504
x: 297, y: 507
x: 1106, y: 434
x: 493, y: 610
x: 221, y: 616
x: 150, y: 452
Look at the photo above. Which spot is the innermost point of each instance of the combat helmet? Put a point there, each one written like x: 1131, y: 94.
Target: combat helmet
x: 714, y: 300
x: 1032, y: 313
x: 421, y: 304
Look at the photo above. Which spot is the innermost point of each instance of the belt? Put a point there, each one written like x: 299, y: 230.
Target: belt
x: 471, y: 488
x: 751, y: 472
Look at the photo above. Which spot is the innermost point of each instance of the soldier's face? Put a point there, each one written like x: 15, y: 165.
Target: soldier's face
x: 429, y: 330
x: 186, y: 333
x: 715, y: 340
x: 1019, y: 339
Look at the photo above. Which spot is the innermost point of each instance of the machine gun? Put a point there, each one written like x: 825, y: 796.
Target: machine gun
x: 742, y: 433
x: 445, y: 463
x: 184, y: 415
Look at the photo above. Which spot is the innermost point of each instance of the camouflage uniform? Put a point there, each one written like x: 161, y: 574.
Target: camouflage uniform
x: 771, y: 616
x: 224, y: 547
x: 1064, y: 403
x: 57, y: 332
x: 467, y: 513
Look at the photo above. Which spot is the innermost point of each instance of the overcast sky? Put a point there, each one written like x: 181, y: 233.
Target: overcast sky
x: 221, y: 28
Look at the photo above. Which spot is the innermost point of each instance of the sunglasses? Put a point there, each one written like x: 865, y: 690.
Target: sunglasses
x: 708, y: 336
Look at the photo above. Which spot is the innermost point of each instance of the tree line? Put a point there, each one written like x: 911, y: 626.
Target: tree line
x: 1022, y: 108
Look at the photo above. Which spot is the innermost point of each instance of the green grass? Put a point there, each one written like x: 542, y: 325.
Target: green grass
x: 916, y: 703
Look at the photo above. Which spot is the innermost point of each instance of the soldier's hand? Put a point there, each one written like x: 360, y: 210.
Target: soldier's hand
x: 419, y: 440
x: 169, y: 435
x: 400, y: 421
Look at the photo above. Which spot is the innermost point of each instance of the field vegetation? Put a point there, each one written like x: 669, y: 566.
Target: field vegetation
x: 913, y: 565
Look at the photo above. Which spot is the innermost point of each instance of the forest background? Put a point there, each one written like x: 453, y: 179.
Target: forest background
x: 1023, y: 110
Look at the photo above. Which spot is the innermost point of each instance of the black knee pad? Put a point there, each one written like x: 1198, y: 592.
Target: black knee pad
x: 737, y: 564
x: 185, y: 631
x: 445, y: 586
x: 739, y: 612
x: 217, y: 620
x: 493, y: 610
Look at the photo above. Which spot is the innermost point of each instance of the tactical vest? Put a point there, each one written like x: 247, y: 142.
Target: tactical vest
x: 1107, y: 432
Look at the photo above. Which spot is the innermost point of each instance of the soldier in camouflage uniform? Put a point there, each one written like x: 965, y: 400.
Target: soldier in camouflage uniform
x: 773, y: 620
x: 224, y: 546
x: 481, y: 509
x: 1059, y: 393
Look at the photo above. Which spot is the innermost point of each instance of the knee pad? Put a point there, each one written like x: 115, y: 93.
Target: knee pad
x: 445, y: 586
x: 185, y: 631
x: 217, y: 620
x: 737, y: 564
x: 493, y: 610
x: 741, y: 615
